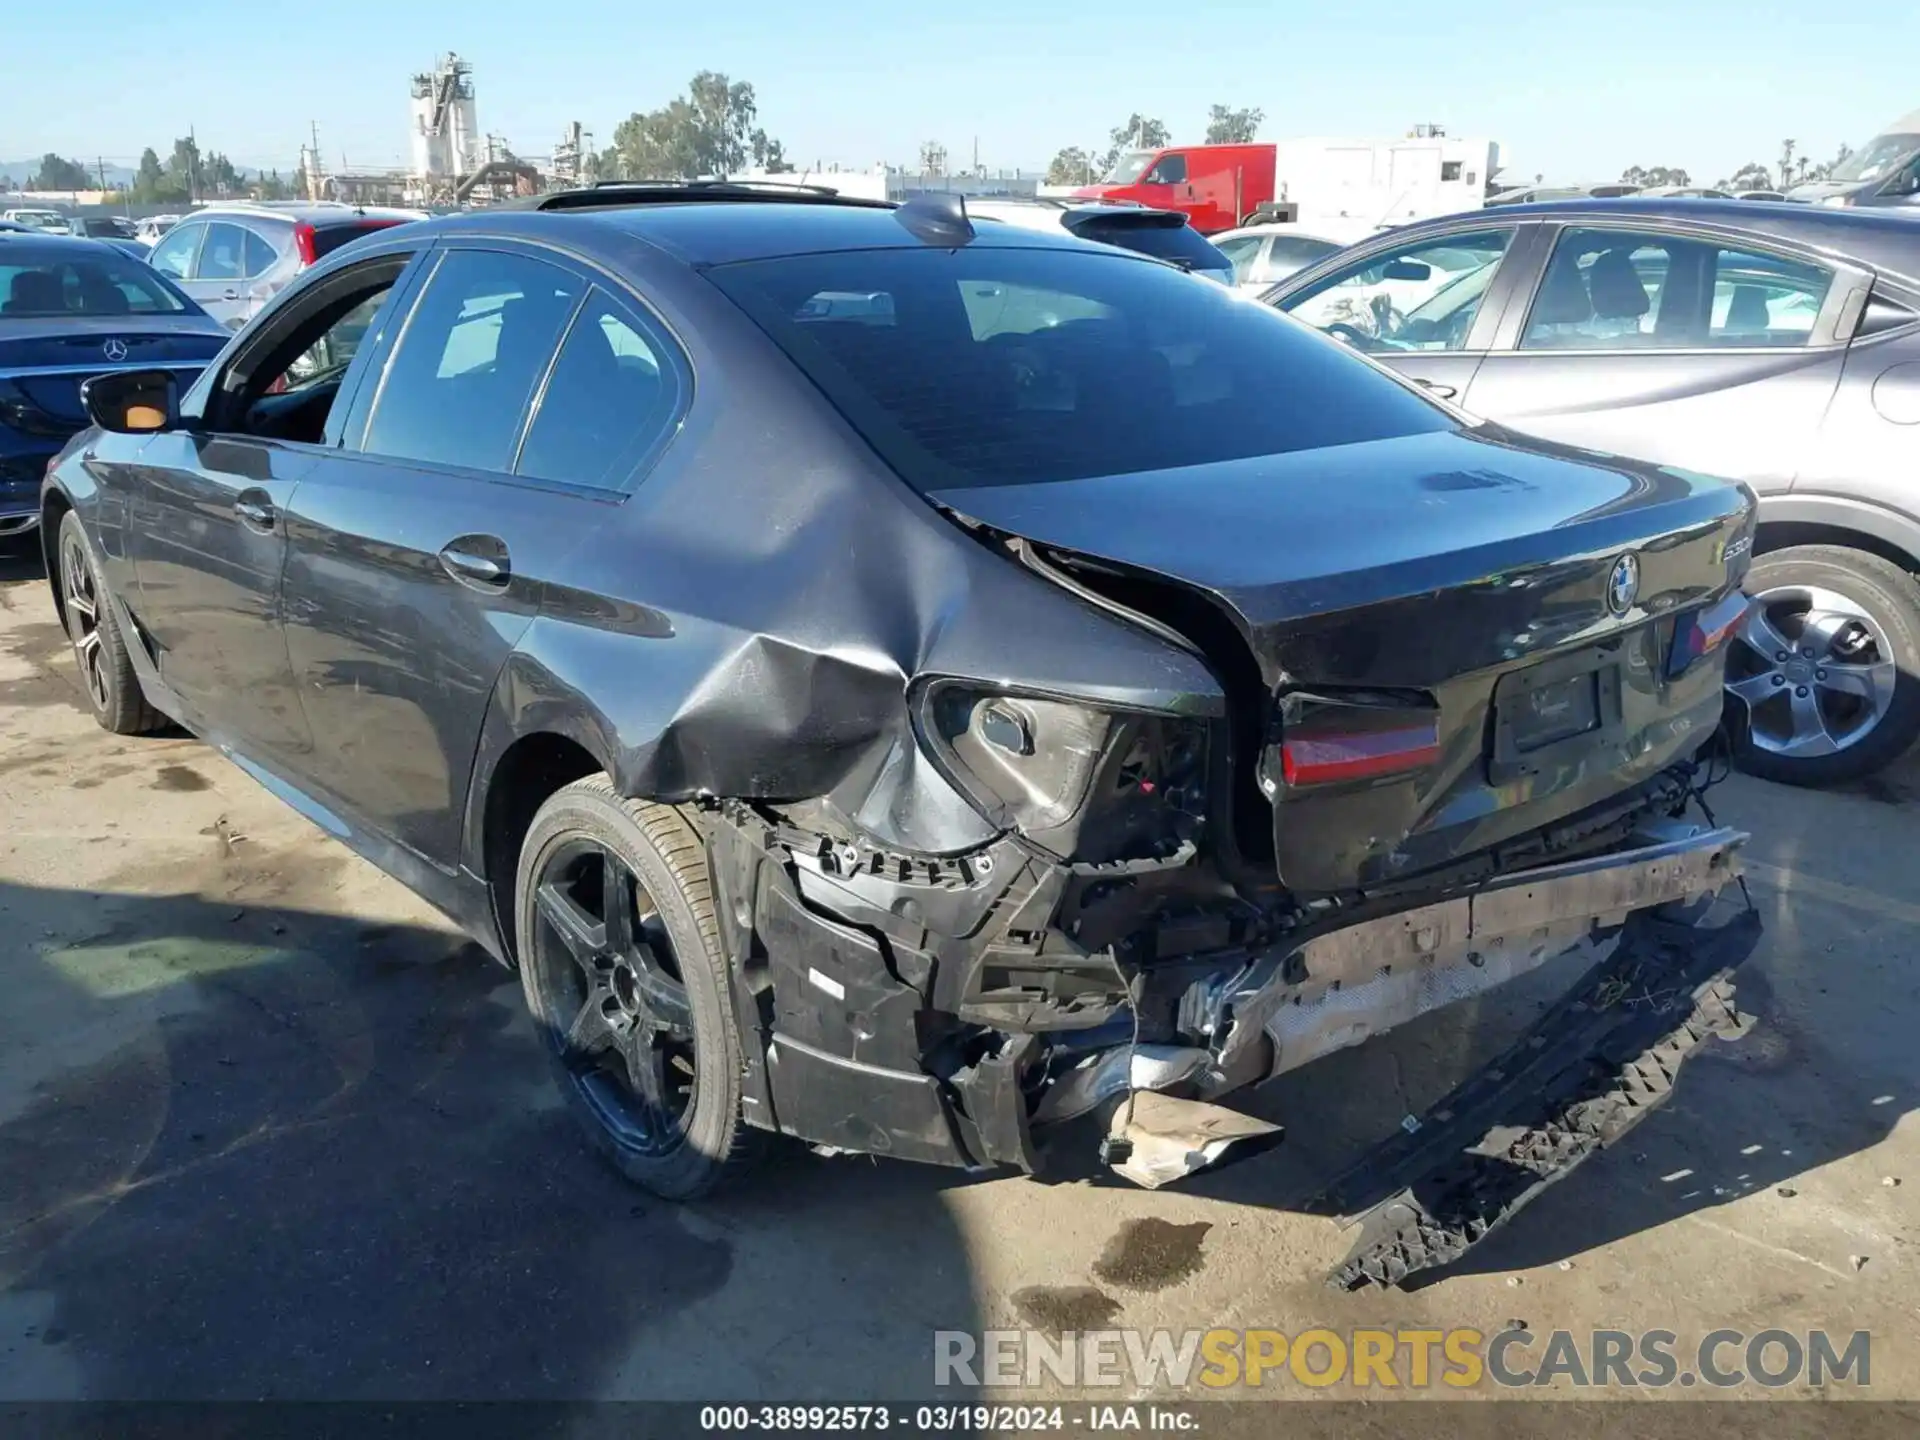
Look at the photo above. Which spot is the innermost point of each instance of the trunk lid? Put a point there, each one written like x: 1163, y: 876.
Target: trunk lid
x: 1451, y: 587
x: 42, y: 366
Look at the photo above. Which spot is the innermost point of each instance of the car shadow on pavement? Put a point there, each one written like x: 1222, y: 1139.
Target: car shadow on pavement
x: 249, y: 1152
x: 20, y: 559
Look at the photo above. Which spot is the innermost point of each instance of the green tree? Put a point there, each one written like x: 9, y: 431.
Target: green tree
x: 708, y: 131
x: 1072, y: 166
x: 1644, y: 176
x: 1232, y: 127
x: 56, y: 173
x: 1750, y: 176
x: 1139, y: 133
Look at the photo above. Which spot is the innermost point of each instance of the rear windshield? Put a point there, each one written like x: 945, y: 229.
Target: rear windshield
x: 102, y: 282
x: 330, y: 239
x: 990, y: 366
x: 1181, y: 244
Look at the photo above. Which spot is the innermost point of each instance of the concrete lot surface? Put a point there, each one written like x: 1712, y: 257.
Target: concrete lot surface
x: 268, y: 1128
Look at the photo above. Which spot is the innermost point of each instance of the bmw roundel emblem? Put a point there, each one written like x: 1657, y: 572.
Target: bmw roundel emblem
x: 115, y: 349
x: 1623, y: 585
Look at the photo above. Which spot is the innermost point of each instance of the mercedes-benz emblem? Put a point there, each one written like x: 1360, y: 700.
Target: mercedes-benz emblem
x: 116, y: 349
x: 1623, y: 585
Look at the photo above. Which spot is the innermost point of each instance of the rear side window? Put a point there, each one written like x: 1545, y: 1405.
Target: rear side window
x: 614, y: 393
x: 224, y: 255
x: 259, y: 254
x: 1181, y: 243
x: 476, y: 345
x: 989, y: 366
x: 1614, y: 289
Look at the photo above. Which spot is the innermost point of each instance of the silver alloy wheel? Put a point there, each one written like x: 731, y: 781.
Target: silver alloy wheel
x: 83, y: 622
x: 1814, y: 669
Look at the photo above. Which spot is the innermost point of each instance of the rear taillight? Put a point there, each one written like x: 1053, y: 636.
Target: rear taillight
x: 1325, y: 739
x: 1701, y: 633
x: 303, y: 243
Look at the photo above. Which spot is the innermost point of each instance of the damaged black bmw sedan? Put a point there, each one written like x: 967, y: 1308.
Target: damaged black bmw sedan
x: 898, y: 685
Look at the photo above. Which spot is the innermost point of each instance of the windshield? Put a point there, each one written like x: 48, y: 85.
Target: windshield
x: 102, y: 282
x: 1129, y: 167
x: 1883, y: 152
x: 988, y: 366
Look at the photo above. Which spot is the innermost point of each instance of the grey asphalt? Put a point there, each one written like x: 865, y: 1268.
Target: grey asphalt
x: 269, y: 1129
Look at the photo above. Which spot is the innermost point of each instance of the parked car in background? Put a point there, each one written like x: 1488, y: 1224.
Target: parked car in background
x: 105, y: 227
x: 1779, y: 345
x: 1264, y: 254
x: 233, y: 258
x: 1162, y: 234
x: 1026, y: 700
x: 153, y: 227
x: 71, y: 309
x: 1684, y: 192
x: 1535, y: 194
x: 1884, y: 171
x: 48, y: 222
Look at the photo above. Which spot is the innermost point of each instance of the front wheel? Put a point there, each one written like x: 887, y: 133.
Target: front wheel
x: 622, y: 965
x: 1823, y: 679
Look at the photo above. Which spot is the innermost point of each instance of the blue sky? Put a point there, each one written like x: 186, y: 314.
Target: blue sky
x: 1576, y: 92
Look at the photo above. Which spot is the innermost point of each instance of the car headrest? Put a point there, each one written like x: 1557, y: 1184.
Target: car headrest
x: 1563, y: 299
x: 1615, y: 287
x: 1747, y: 313
x: 35, y: 292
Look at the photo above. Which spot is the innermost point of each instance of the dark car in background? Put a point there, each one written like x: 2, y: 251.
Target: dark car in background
x: 897, y: 681
x: 71, y: 309
x: 1775, y: 344
x: 233, y: 258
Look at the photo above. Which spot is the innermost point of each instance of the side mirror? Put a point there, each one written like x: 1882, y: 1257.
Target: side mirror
x: 1407, y: 270
x: 133, y: 402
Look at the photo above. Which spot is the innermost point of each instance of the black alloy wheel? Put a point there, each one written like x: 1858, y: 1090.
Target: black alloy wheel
x: 624, y: 972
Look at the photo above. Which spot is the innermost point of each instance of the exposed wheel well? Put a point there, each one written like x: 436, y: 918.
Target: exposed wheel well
x: 532, y: 768
x: 53, y: 510
x: 1783, y: 534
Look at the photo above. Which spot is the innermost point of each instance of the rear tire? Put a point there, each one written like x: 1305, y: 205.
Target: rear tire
x: 1846, y: 699
x: 636, y: 1014
x: 106, y: 669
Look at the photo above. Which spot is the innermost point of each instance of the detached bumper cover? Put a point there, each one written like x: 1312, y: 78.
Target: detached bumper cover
x: 1588, y: 1071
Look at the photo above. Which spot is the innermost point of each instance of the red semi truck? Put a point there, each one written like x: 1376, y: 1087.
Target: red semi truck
x: 1379, y: 182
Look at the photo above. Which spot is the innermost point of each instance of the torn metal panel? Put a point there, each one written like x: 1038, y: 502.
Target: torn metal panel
x: 1584, y: 1074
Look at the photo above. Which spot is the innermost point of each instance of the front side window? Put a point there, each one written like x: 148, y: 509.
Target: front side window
x: 1608, y: 289
x: 475, y: 347
x: 1171, y: 170
x: 1420, y: 298
x: 612, y: 396
x: 1241, y: 252
x: 173, y: 256
x: 987, y: 366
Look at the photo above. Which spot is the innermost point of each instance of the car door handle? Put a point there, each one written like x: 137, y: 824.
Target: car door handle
x: 1434, y: 387
x: 255, y: 510
x: 229, y: 294
x: 470, y: 567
